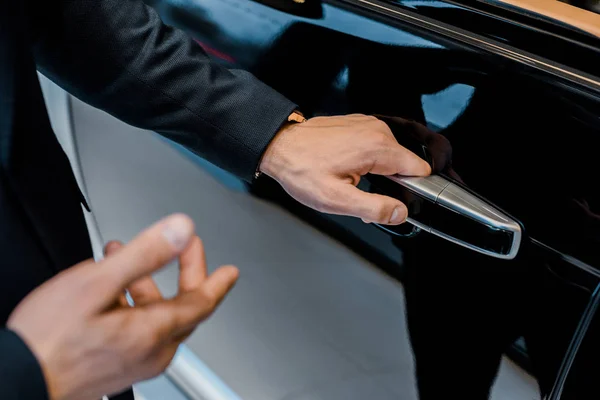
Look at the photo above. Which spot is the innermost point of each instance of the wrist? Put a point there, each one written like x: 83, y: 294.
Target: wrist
x: 271, y: 162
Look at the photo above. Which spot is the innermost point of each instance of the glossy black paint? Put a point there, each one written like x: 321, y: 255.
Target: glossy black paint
x: 304, y: 8
x: 518, y: 103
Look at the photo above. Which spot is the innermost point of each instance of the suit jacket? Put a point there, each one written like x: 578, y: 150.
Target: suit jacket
x: 118, y: 56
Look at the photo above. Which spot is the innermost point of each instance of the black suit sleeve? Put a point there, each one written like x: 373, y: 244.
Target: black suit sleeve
x: 20, y: 374
x: 117, y: 55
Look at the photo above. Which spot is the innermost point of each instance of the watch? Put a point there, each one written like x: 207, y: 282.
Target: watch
x: 295, y: 117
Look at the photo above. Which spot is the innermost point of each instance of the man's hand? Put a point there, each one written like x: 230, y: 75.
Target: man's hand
x: 321, y: 161
x: 89, y: 342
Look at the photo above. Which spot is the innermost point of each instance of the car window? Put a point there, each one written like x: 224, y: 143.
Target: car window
x: 580, y: 14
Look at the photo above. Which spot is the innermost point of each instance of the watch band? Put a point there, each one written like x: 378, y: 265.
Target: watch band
x: 296, y: 117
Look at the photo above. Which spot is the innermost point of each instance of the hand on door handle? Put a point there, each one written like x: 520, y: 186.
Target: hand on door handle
x: 445, y: 209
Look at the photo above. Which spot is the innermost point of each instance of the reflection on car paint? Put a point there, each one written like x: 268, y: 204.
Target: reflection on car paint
x: 442, y: 108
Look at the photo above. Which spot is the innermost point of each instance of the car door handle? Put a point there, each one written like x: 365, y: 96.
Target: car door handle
x: 445, y: 209
x: 301, y: 8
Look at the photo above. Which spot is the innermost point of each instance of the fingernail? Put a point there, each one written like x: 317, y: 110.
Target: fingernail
x: 178, y: 230
x: 397, y: 216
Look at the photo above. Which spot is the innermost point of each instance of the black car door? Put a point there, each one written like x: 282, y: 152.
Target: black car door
x: 511, y: 99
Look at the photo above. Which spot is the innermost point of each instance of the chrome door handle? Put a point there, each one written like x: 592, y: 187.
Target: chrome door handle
x: 443, y: 208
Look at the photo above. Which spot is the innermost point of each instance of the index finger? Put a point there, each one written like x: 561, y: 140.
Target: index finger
x: 397, y: 159
x: 152, y: 249
x: 192, y: 266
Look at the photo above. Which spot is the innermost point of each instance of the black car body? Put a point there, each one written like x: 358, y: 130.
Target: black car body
x: 517, y: 97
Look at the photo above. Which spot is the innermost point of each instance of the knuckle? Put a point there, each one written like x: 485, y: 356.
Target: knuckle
x: 375, y: 124
x: 382, y: 126
x: 379, y: 142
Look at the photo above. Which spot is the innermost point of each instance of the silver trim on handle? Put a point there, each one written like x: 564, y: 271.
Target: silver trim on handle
x: 429, y: 187
x: 451, y: 196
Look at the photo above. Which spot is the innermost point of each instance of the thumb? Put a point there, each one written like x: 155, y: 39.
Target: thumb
x: 370, y: 207
x: 109, y: 249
